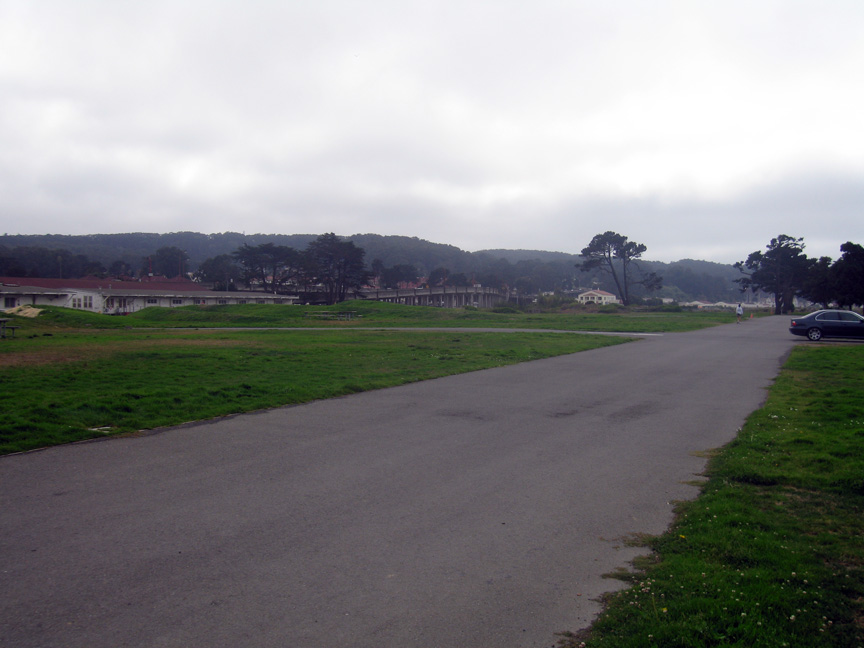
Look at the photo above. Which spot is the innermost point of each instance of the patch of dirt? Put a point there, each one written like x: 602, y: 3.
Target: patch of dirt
x: 25, y: 311
x: 81, y: 353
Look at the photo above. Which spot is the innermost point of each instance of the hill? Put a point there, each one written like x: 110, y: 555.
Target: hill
x: 529, y: 271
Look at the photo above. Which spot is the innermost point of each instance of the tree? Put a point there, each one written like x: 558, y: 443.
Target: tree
x: 438, y: 277
x: 818, y: 284
x: 120, y: 268
x: 377, y: 267
x: 780, y: 271
x: 166, y: 261
x: 848, y: 275
x: 44, y: 262
x: 612, y: 253
x: 458, y: 279
x: 271, y: 266
x: 335, y: 264
x: 222, y: 271
x: 398, y: 275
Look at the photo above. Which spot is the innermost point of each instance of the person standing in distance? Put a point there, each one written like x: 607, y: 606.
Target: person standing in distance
x: 739, y: 312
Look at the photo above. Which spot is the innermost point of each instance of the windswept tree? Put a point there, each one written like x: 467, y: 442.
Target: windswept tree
x: 617, y: 256
x: 336, y: 265
x: 781, y: 270
x: 271, y: 266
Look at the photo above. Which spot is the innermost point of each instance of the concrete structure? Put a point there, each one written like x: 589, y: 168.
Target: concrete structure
x: 117, y: 297
x: 444, y: 296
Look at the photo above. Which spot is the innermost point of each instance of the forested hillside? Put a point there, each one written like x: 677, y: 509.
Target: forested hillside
x: 529, y: 271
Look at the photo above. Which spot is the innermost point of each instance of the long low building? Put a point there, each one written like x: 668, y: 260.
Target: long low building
x: 119, y: 297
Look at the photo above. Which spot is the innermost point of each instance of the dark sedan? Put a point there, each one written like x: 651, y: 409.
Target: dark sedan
x: 829, y: 323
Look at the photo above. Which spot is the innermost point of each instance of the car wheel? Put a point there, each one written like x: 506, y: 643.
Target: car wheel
x: 814, y: 334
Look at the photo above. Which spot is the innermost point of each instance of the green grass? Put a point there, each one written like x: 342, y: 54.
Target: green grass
x: 70, y: 374
x: 65, y: 385
x: 771, y: 553
x: 378, y: 314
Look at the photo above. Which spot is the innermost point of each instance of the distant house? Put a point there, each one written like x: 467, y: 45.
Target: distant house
x: 119, y: 297
x: 597, y: 297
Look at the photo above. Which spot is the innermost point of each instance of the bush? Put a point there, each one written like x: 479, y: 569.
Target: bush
x: 611, y: 308
x: 505, y: 309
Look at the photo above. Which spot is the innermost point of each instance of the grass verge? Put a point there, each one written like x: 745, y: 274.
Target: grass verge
x: 771, y: 553
x: 65, y: 385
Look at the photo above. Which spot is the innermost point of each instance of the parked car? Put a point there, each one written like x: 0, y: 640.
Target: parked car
x: 828, y: 323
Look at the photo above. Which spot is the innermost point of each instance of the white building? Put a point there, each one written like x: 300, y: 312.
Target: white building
x: 116, y: 297
x: 597, y: 297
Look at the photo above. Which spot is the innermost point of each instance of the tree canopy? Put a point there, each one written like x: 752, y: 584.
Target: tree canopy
x: 268, y: 265
x: 336, y: 265
x: 848, y: 275
x: 781, y: 270
x: 222, y: 271
x: 614, y: 254
x: 169, y: 261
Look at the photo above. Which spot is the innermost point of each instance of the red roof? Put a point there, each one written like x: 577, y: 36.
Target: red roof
x: 158, y: 284
x: 598, y: 292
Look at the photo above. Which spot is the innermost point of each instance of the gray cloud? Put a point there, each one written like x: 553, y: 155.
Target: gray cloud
x: 702, y: 131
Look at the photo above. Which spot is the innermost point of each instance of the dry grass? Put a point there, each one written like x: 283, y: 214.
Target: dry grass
x: 79, y: 351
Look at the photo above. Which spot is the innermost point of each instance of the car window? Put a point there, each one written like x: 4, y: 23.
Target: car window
x: 850, y: 317
x: 828, y: 316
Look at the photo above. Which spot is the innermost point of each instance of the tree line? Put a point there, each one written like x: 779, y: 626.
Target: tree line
x: 786, y: 272
x: 609, y: 262
x: 782, y: 270
x: 397, y: 261
x: 328, y: 262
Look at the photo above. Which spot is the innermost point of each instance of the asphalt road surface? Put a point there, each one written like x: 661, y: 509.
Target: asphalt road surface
x: 474, y: 511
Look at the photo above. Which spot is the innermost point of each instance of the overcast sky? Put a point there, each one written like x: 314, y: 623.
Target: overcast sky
x: 699, y: 128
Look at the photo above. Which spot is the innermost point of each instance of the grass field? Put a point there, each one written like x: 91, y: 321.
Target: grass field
x: 70, y: 375
x: 69, y: 385
x: 772, y: 552
x: 377, y: 314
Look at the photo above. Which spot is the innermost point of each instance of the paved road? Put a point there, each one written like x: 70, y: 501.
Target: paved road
x: 474, y: 511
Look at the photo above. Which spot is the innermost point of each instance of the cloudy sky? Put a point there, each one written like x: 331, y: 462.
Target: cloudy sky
x: 699, y: 128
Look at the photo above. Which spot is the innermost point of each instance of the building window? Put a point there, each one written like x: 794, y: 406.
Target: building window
x: 10, y: 302
x: 151, y: 300
x: 88, y: 301
x: 177, y: 302
x: 222, y: 301
x: 241, y: 301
